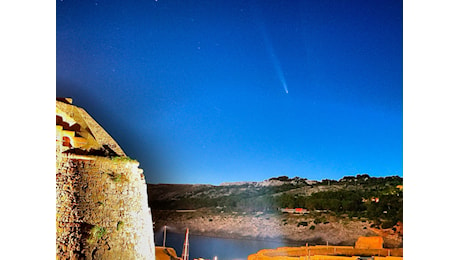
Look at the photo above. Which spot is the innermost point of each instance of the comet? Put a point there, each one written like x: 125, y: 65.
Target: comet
x: 285, y: 88
x: 274, y: 60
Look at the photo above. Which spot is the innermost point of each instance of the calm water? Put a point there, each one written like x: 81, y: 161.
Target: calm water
x: 224, y: 249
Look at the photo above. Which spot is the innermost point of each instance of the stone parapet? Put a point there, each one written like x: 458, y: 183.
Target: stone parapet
x: 326, y: 253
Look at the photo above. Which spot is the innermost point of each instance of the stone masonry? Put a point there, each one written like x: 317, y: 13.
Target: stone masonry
x: 101, y: 195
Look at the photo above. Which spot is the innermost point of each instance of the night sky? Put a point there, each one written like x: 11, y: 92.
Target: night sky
x: 223, y: 91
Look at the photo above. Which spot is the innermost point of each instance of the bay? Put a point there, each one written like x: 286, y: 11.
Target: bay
x: 224, y: 248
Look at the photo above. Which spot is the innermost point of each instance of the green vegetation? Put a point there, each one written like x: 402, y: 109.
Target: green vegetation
x: 355, y: 197
x: 116, y: 177
x: 355, y: 202
x: 96, y: 233
x: 123, y: 159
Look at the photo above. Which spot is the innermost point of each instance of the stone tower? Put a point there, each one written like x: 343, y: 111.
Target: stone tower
x: 101, y: 195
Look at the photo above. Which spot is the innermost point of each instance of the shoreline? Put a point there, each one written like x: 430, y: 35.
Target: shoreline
x: 293, y: 229
x: 211, y: 235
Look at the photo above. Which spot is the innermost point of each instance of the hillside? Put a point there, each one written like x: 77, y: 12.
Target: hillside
x: 336, y: 211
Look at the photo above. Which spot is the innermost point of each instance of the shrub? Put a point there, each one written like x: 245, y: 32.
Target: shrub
x: 387, y: 224
x: 96, y: 233
x: 312, y: 227
x: 303, y: 223
x: 116, y: 177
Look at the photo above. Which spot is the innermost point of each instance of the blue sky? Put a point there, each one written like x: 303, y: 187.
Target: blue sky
x: 196, y: 90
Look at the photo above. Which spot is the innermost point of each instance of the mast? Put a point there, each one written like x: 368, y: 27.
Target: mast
x: 164, y: 237
x: 185, y: 248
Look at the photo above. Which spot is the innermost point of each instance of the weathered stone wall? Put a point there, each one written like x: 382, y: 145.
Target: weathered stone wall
x: 68, y: 221
x: 102, y: 210
x: 101, y: 196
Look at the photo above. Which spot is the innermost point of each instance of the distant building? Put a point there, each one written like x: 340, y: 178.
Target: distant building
x: 295, y: 210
